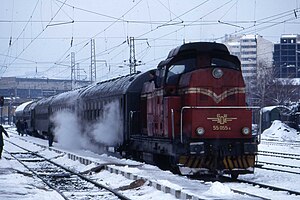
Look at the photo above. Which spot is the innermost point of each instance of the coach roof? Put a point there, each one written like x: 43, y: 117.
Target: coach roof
x: 131, y: 83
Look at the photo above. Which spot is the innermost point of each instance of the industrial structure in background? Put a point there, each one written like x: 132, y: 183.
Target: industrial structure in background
x: 15, y: 91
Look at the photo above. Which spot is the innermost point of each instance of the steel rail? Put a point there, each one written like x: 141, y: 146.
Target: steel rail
x: 279, y: 170
x: 116, y: 193
x: 279, y: 156
x: 280, y: 153
x: 270, y: 187
x: 36, y: 174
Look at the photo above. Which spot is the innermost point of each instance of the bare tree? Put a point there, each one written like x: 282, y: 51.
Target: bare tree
x: 269, y: 90
x: 260, y: 88
x: 285, y: 92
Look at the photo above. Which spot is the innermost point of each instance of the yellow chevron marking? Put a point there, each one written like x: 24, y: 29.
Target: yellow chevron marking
x: 225, y: 163
x: 191, y: 161
x: 217, y: 98
x: 251, y: 160
x: 182, y: 159
x: 230, y: 164
x: 235, y: 163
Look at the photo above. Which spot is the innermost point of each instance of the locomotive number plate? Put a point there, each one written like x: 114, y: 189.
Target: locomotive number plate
x: 221, y: 121
x: 221, y: 128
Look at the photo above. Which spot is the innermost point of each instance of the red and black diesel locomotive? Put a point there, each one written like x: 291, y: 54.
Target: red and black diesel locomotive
x: 189, y: 113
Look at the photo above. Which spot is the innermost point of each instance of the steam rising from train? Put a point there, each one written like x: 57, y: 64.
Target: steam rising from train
x: 107, y: 130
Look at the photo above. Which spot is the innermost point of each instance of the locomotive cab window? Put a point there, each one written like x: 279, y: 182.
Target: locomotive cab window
x: 174, y: 72
x: 219, y: 62
x: 179, y: 67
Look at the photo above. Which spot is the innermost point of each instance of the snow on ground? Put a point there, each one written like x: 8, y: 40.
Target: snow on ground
x: 25, y: 187
x: 285, y: 140
x: 17, y: 186
x: 281, y: 132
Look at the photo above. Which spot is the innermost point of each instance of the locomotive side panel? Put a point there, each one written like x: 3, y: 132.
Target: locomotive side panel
x: 172, y: 107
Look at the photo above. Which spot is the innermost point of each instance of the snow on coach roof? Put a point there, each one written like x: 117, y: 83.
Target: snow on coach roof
x: 69, y: 96
x: 21, y: 107
x: 117, y: 86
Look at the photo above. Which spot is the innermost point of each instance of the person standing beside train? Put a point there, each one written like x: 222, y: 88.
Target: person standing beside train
x: 50, y: 134
x: 25, y: 127
x: 19, y: 127
x: 2, y: 130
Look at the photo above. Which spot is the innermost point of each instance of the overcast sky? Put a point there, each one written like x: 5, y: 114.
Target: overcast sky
x: 38, y: 36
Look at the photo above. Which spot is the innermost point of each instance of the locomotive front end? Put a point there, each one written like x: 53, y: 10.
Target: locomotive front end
x: 215, y: 124
x: 194, y: 113
x: 215, y: 121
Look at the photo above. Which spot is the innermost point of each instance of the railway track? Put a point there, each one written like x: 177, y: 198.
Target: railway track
x: 68, y: 183
x: 249, y: 193
x: 280, y: 155
x: 261, y: 166
x: 283, y: 156
x: 280, y: 143
x: 161, y: 186
x: 261, y: 185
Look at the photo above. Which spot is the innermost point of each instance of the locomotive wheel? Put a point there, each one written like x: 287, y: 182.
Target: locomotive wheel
x: 234, y: 176
x: 162, y: 161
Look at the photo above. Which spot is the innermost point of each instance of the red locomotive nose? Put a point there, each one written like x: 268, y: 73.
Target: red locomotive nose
x: 219, y: 111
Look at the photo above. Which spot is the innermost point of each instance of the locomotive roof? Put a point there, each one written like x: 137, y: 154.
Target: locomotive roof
x: 200, y: 47
x: 117, y: 86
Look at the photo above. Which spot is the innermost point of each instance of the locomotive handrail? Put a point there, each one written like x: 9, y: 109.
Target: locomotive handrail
x: 131, y: 113
x: 260, y: 125
x: 130, y: 119
x: 215, y: 107
x: 173, y: 124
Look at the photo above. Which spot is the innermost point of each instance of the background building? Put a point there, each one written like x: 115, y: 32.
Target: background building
x: 255, y: 54
x: 18, y: 90
x: 287, y: 57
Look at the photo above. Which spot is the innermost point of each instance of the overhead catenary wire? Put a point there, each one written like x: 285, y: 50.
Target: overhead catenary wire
x: 12, y: 42
x: 157, y: 36
x: 258, y: 23
x: 102, y: 31
x: 34, y: 38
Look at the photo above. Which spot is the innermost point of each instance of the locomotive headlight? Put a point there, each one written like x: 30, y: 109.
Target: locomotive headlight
x: 217, y: 73
x: 200, y: 131
x: 246, y: 131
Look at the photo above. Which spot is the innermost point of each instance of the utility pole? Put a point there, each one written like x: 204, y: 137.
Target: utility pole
x: 93, y: 61
x: 132, y: 60
x: 73, y: 70
x: 78, y: 71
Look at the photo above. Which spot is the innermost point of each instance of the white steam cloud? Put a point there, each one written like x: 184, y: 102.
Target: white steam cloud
x: 67, y: 129
x: 108, y: 130
x: 71, y: 133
